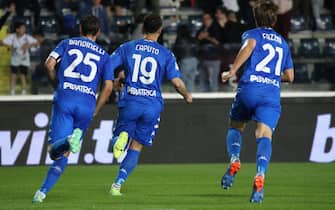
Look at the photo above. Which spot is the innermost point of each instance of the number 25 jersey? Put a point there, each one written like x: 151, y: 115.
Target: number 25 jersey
x: 82, y: 63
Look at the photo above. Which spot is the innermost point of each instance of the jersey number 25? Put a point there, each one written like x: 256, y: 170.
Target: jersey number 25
x: 87, y: 60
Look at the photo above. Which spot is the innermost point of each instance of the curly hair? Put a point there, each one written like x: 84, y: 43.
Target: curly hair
x: 265, y: 13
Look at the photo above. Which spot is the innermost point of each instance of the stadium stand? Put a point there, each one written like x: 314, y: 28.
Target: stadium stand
x: 310, y: 47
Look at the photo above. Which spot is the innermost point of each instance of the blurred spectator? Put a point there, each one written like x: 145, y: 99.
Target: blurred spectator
x: 100, y: 12
x: 138, y: 30
x: 65, y: 14
x: 8, y: 11
x: 150, y: 5
x: 303, y: 8
x: 94, y: 7
x: 188, y: 3
x: 231, y: 5
x: 317, y: 6
x: 209, y: 6
x: 208, y: 37
x: 32, y: 5
x: 19, y: 42
x: 230, y: 32
x: 185, y: 50
x: 246, y: 12
x: 284, y: 16
x: 38, y: 77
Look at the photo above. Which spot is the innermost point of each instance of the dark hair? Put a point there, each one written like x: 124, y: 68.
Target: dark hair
x: 152, y: 23
x: 265, y: 13
x: 89, y: 25
x: 223, y: 10
x: 183, y: 31
x: 18, y: 24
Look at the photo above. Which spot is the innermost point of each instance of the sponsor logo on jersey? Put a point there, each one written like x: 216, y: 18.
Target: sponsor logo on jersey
x: 264, y: 80
x: 80, y: 88
x: 141, y: 92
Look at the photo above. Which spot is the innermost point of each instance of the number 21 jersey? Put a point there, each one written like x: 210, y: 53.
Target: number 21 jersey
x: 269, y: 59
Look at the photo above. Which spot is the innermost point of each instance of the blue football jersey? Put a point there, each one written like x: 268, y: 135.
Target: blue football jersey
x: 82, y: 63
x: 269, y: 59
x: 145, y: 64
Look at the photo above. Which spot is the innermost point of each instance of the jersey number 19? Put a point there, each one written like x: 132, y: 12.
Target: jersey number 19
x: 140, y: 67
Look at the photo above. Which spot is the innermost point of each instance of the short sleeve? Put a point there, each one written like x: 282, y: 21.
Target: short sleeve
x: 108, y: 72
x: 116, y: 58
x: 172, y: 68
x: 59, y: 51
x: 248, y: 35
x: 8, y: 40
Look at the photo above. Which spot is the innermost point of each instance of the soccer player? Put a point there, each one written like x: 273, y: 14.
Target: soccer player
x: 82, y: 63
x: 145, y: 63
x: 267, y: 61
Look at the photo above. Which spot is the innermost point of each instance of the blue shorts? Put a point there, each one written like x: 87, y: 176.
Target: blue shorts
x: 66, y: 116
x: 251, y: 105
x: 139, y: 120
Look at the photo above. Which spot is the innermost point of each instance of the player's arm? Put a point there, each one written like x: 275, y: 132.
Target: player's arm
x: 49, y: 65
x: 181, y: 89
x: 104, y: 95
x: 119, y: 81
x: 244, y: 53
x: 288, y: 75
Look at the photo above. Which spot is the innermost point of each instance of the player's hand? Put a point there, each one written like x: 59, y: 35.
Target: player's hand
x: 226, y: 75
x: 188, y: 98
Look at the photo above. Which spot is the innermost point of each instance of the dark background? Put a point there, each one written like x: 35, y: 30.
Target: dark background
x: 193, y: 133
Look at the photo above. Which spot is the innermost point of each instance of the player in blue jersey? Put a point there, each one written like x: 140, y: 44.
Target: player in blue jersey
x: 82, y: 64
x: 145, y: 63
x: 267, y: 61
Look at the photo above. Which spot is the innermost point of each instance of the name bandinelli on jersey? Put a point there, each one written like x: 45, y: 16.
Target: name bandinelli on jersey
x: 86, y: 44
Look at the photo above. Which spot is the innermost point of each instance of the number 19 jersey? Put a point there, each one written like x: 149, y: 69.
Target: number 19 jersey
x: 145, y: 63
x: 269, y: 59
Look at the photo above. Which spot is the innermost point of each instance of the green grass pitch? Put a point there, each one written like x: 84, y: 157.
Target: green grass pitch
x: 296, y: 186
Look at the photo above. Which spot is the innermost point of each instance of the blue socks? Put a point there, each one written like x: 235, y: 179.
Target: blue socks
x: 55, y: 171
x: 263, y: 155
x: 234, y: 141
x: 127, y: 166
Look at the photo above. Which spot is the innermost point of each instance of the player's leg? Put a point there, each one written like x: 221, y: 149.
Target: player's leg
x: 124, y: 130
x: 263, y: 155
x: 145, y: 129
x: 234, y: 142
x: 240, y: 114
x: 55, y: 171
x: 60, y: 128
x: 82, y: 119
x: 267, y: 118
x: 127, y: 166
